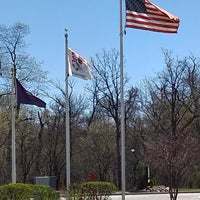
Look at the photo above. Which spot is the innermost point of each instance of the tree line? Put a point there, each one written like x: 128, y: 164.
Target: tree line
x: 162, y: 121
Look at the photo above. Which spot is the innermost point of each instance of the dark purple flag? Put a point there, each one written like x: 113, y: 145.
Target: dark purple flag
x: 26, y: 97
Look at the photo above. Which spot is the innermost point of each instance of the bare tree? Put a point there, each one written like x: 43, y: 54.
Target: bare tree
x: 13, y: 55
x: 26, y: 143
x: 95, y: 152
x: 105, y: 93
x: 55, y: 136
x: 169, y: 111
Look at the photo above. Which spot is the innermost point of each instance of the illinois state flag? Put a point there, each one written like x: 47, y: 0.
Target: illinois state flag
x: 142, y: 14
x: 26, y: 97
x: 78, y: 66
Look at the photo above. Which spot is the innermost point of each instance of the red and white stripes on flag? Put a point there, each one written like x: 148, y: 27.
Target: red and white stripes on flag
x: 142, y: 14
x: 78, y: 66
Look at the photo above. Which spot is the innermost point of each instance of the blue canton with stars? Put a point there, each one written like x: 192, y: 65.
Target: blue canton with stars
x: 136, y: 6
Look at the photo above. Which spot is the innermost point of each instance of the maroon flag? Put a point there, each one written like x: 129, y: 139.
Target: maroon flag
x: 142, y: 14
x: 26, y: 97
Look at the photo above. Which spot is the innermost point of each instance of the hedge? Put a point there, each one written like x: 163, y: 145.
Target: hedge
x: 91, y: 190
x: 21, y: 191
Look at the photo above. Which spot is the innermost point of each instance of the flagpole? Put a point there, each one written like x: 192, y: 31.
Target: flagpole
x: 123, y: 183
x: 13, y: 126
x: 67, y: 119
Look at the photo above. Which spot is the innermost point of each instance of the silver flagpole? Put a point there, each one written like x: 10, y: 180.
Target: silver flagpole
x: 123, y: 183
x: 13, y: 127
x: 67, y: 119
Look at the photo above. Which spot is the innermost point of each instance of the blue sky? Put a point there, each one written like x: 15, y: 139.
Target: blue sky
x: 94, y: 25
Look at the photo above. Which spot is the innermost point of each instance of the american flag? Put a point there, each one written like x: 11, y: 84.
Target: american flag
x: 142, y: 14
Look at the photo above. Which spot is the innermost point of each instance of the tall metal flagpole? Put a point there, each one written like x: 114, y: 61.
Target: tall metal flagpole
x: 13, y: 126
x: 67, y: 118
x: 122, y: 109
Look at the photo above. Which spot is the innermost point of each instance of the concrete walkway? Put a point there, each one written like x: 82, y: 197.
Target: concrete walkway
x: 181, y: 196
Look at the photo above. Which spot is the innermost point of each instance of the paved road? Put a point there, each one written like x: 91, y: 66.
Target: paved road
x: 181, y: 196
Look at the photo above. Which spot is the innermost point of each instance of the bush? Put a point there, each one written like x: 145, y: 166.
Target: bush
x: 91, y: 190
x: 76, y: 192
x: 42, y: 192
x: 153, y: 182
x: 21, y: 191
x: 15, y: 191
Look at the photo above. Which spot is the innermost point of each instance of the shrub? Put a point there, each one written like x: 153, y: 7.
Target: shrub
x: 153, y: 182
x: 42, y: 192
x: 91, y: 190
x: 17, y: 191
x: 21, y: 191
x: 76, y: 192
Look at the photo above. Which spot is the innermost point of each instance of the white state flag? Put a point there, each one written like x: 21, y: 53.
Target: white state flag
x: 78, y: 66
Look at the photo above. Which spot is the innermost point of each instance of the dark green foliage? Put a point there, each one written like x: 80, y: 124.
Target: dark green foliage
x: 21, y: 191
x: 153, y: 182
x: 92, y: 190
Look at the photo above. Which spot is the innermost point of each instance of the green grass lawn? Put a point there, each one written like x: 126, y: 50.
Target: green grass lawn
x: 189, y: 190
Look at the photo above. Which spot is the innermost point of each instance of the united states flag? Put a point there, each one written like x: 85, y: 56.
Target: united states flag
x: 142, y: 14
